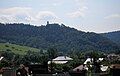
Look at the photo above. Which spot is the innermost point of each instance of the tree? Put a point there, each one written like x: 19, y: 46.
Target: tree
x: 52, y: 53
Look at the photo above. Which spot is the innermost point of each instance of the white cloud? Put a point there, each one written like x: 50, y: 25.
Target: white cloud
x: 26, y: 15
x: 6, y: 18
x: 57, y: 4
x: 79, y: 13
x: 44, y: 15
x: 15, y: 14
x: 113, y: 16
x: 80, y: 3
x: 15, y: 10
x: 76, y: 14
x: 81, y: 9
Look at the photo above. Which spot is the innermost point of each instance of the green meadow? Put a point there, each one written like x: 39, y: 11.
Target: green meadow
x: 17, y: 49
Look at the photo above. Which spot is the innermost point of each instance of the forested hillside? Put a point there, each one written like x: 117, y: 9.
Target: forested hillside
x: 114, y: 36
x: 56, y: 36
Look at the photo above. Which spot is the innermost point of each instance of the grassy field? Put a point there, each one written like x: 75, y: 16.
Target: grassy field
x: 17, y: 49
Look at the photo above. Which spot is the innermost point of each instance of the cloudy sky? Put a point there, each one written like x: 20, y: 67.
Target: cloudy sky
x: 86, y: 15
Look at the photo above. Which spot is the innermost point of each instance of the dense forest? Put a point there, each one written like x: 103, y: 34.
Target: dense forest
x: 57, y: 36
x: 114, y: 36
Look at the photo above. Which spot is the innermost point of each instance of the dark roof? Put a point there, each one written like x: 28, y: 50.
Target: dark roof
x: 115, y: 66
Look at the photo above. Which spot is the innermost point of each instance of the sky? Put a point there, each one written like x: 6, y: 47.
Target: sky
x: 86, y: 15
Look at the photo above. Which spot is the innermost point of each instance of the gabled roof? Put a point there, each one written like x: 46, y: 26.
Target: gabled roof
x: 115, y: 66
x: 80, y: 67
x: 62, y: 58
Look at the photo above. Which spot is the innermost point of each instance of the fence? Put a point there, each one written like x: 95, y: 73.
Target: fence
x: 9, y: 72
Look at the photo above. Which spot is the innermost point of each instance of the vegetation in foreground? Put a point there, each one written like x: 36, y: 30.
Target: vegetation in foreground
x: 14, y: 59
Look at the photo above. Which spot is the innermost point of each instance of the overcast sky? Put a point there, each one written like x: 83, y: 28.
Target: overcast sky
x: 86, y: 15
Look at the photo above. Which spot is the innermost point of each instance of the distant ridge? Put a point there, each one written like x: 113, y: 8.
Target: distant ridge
x: 113, y: 36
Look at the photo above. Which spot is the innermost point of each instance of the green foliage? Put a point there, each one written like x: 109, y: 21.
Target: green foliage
x: 61, y: 67
x: 17, y: 49
x: 4, y: 64
x: 52, y: 53
x: 8, y: 50
x: 114, y: 36
x: 95, y: 54
x: 33, y: 57
x: 56, y: 36
x: 6, y: 46
x: 29, y: 57
x: 7, y: 54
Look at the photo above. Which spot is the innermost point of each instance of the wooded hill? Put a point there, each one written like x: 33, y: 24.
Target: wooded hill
x: 114, y: 36
x: 57, y: 36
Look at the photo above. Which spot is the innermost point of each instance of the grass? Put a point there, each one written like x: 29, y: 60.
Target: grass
x: 17, y: 49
